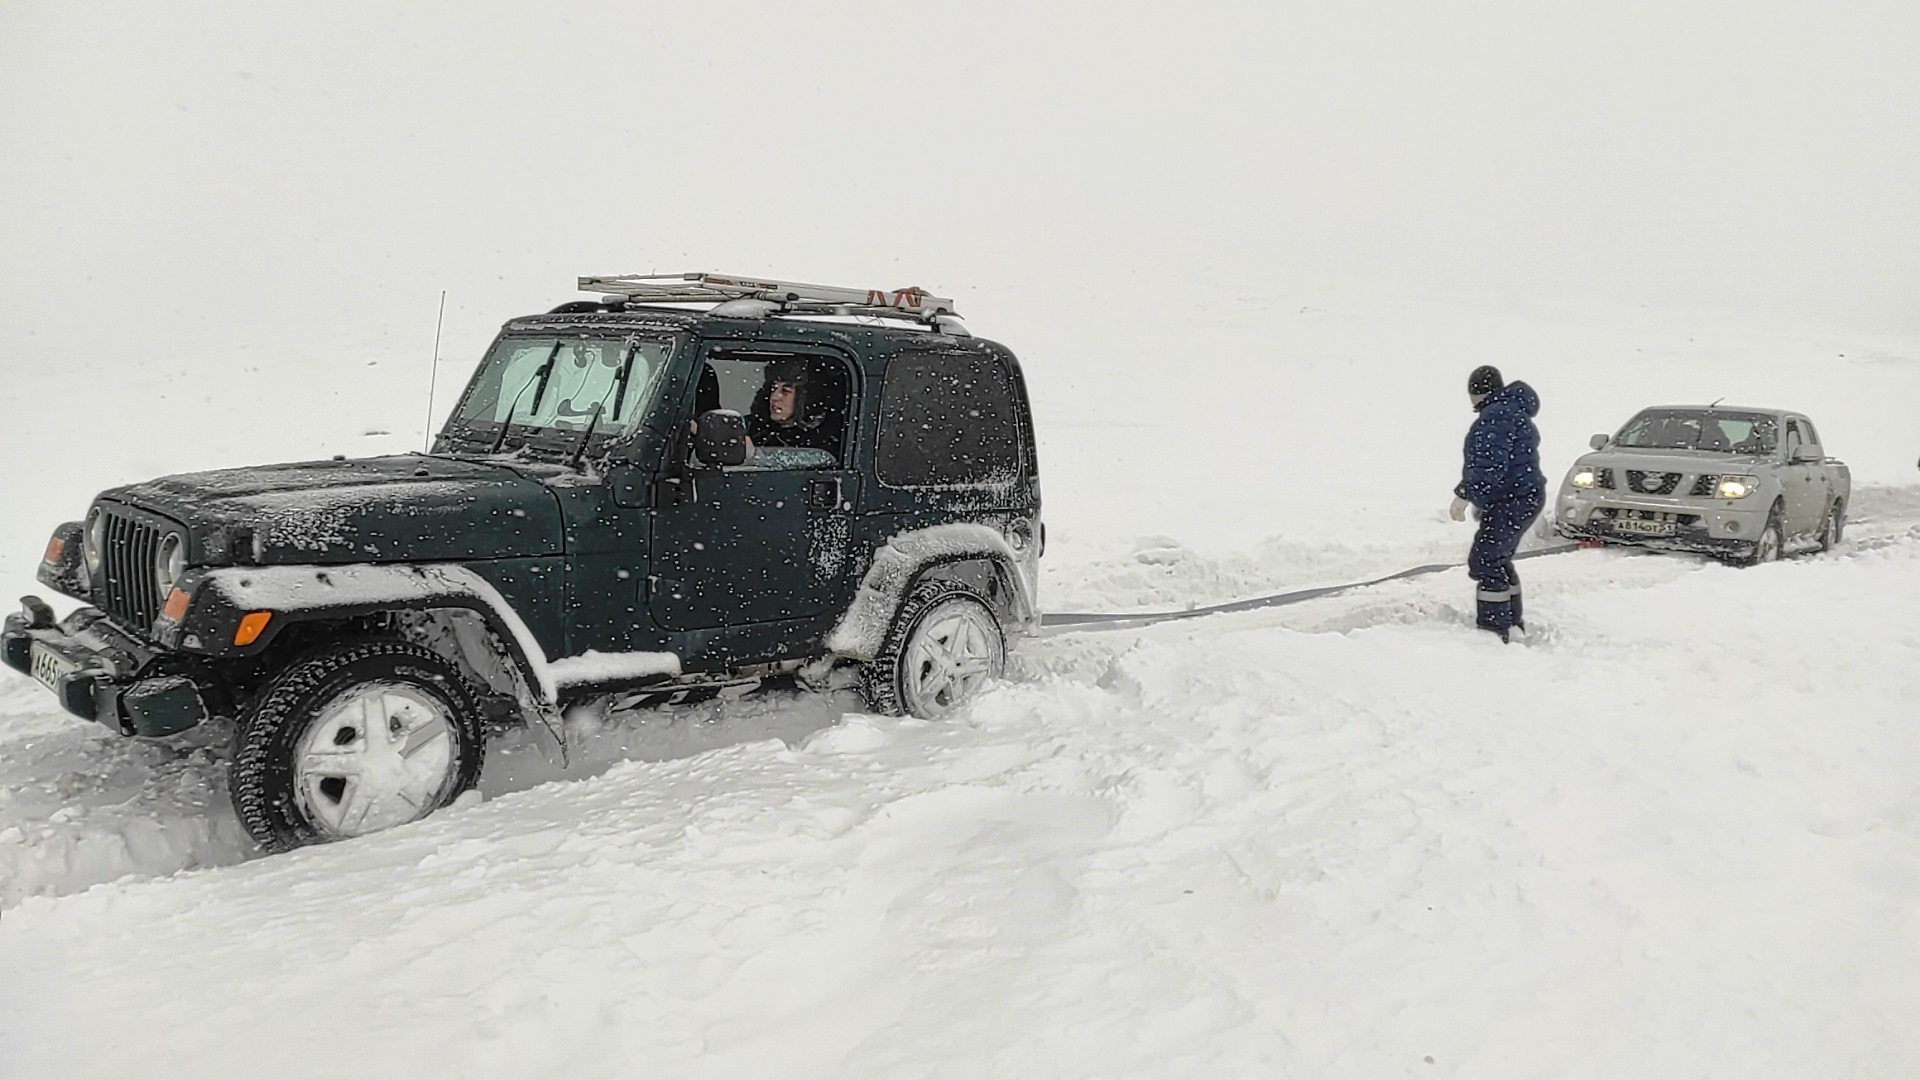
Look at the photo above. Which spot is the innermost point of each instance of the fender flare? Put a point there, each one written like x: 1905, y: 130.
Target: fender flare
x: 305, y: 593
x: 970, y: 554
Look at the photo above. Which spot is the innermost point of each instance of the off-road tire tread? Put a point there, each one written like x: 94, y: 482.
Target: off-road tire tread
x: 880, y: 677
x: 262, y: 789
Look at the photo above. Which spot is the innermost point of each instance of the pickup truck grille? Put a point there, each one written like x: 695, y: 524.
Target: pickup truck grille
x: 132, y: 596
x: 1704, y: 486
x: 1652, y: 483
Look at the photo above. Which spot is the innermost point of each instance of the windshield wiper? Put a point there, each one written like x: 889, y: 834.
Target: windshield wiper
x: 540, y: 376
x: 580, y: 448
x: 544, y: 375
x: 626, y: 372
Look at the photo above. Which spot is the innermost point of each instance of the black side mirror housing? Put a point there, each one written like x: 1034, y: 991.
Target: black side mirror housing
x: 720, y: 438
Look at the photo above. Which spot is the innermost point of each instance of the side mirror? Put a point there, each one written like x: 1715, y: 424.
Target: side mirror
x: 720, y: 437
x: 1807, y: 453
x: 1599, y: 442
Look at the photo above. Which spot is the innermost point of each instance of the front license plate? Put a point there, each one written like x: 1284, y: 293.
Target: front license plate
x: 1643, y: 528
x: 50, y: 666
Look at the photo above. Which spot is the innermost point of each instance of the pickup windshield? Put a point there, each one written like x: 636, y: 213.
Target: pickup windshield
x: 1701, y: 429
x: 544, y: 391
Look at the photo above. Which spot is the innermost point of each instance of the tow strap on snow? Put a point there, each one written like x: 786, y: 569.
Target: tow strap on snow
x: 1069, y: 621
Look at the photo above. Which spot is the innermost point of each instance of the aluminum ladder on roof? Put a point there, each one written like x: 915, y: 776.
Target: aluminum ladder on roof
x: 699, y: 287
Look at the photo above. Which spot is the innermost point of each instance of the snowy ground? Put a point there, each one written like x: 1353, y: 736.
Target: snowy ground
x: 1674, y: 834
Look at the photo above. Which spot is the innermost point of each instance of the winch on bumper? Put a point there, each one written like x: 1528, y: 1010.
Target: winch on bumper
x: 99, y: 671
x: 1718, y: 527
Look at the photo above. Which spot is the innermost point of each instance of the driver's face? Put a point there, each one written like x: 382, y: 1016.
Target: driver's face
x: 780, y: 401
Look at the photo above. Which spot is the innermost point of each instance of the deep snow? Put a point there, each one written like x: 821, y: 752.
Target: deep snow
x: 1674, y: 834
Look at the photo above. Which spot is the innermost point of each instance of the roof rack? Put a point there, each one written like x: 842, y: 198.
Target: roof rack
x: 789, y: 296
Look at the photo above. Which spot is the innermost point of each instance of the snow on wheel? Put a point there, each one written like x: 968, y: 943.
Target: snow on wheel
x: 1833, y: 526
x: 356, y: 738
x: 944, y: 645
x: 1771, y: 542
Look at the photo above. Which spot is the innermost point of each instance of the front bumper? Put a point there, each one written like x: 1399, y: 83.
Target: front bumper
x: 100, y: 672
x: 1709, y: 526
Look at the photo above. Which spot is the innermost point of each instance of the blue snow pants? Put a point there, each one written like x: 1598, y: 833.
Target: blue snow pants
x: 1490, y: 563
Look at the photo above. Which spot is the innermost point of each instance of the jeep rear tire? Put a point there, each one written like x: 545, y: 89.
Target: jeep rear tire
x: 943, y: 646
x: 354, y: 738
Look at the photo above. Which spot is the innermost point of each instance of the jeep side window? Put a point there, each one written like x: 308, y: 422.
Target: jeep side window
x: 947, y: 418
x: 796, y: 406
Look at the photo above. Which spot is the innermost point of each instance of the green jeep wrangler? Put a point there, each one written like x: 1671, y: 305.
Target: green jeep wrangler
x: 692, y: 482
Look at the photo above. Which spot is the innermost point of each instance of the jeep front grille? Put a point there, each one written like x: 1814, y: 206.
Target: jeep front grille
x: 132, y: 595
x: 1604, y: 477
x: 1704, y: 486
x: 1652, y: 483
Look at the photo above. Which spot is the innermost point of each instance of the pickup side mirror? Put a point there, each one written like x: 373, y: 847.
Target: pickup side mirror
x: 1807, y: 453
x: 1599, y: 442
x: 720, y: 438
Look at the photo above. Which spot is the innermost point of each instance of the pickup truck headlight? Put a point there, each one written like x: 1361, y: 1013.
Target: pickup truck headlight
x: 1584, y: 477
x: 1736, y: 487
x: 170, y: 561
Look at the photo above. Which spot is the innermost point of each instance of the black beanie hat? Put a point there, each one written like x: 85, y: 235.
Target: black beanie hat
x: 1484, y: 380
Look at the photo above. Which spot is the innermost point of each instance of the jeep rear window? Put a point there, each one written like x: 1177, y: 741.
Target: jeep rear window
x: 543, y: 385
x: 948, y: 418
x: 1700, y: 429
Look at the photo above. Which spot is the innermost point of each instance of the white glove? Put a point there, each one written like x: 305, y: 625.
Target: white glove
x: 1458, y: 511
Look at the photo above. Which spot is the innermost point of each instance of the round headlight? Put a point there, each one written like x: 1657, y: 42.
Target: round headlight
x: 95, y: 541
x: 170, y: 561
x: 1583, y: 478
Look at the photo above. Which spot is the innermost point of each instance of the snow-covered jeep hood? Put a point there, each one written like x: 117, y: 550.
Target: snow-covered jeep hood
x: 407, y: 508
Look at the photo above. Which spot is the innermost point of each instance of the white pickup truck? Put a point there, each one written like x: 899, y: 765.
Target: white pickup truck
x: 1744, y: 484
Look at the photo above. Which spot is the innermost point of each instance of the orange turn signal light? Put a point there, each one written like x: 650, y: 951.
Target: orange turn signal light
x: 176, y: 608
x: 56, y: 547
x: 252, y: 625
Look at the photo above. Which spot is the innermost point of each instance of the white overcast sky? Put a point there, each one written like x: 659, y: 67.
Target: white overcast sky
x: 189, y: 174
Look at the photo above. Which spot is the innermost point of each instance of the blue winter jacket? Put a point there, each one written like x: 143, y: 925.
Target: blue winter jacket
x: 1503, y: 450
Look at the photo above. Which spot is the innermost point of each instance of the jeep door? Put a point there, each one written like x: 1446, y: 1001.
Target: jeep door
x: 751, y: 559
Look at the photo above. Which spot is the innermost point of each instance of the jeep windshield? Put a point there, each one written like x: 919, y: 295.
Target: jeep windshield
x: 1700, y: 429
x: 556, y: 392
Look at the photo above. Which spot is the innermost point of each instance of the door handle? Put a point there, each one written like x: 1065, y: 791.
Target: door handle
x: 675, y: 490
x: 824, y: 491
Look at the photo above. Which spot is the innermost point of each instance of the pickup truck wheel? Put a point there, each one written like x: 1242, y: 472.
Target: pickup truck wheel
x: 1831, y: 529
x: 943, y: 646
x: 1769, y: 544
x: 355, y: 738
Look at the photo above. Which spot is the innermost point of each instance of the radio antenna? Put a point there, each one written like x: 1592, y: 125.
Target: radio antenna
x: 433, y: 381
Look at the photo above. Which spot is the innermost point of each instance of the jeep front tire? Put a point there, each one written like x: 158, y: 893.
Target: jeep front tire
x: 944, y: 645
x: 357, y: 737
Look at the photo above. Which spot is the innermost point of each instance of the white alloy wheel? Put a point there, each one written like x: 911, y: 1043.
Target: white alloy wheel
x: 376, y: 756
x: 951, y: 652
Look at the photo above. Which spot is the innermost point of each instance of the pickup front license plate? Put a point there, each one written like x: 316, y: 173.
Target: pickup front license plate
x: 1643, y: 528
x: 50, y: 666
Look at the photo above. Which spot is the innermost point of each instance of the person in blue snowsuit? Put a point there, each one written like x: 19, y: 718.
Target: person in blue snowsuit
x: 1502, y: 481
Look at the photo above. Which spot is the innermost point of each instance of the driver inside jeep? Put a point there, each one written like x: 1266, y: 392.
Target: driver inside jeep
x: 785, y: 414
